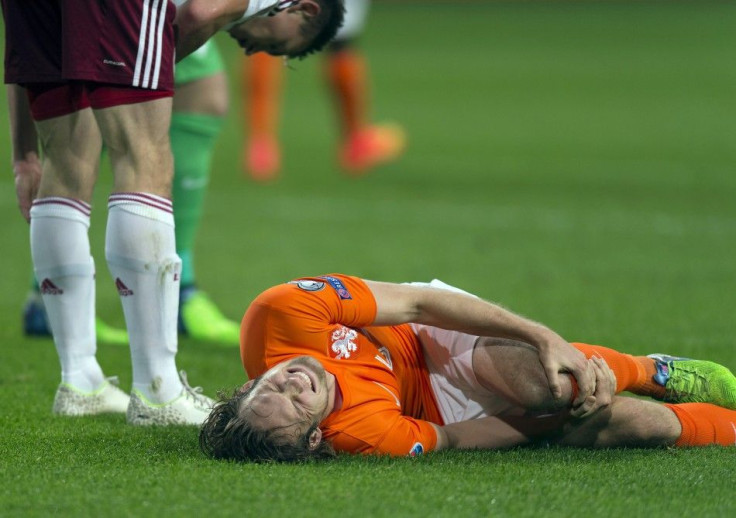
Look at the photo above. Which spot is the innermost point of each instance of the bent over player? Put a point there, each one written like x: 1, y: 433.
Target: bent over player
x: 339, y: 363
x: 90, y: 72
x: 363, y: 145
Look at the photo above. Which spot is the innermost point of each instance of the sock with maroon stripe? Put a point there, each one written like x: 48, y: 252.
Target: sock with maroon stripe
x: 141, y: 254
x: 66, y: 273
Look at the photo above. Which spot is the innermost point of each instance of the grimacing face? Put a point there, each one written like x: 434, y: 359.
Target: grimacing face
x: 290, y: 397
x: 280, y: 35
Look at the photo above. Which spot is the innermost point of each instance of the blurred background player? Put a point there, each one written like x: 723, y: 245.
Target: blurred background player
x: 199, y: 107
x: 363, y: 146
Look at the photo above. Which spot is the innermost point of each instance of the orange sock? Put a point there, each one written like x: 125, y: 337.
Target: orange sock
x: 633, y: 373
x: 346, y: 73
x: 704, y: 424
x: 261, y: 89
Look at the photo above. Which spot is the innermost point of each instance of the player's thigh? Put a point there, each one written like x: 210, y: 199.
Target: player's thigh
x: 136, y: 136
x: 71, y: 146
x: 201, y: 84
x: 513, y: 370
x: 206, y: 95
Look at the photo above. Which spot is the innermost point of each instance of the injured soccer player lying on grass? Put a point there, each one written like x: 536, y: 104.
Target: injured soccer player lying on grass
x: 341, y: 364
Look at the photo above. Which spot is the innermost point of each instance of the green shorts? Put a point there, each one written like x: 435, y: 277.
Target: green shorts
x: 204, y: 62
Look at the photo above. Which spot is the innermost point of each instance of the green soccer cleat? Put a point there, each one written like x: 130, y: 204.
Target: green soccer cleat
x: 695, y: 381
x: 200, y: 319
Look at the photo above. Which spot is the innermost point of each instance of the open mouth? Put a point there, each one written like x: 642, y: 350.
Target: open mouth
x: 305, y: 376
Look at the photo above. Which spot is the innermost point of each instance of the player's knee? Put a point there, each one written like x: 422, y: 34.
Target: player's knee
x: 537, y: 397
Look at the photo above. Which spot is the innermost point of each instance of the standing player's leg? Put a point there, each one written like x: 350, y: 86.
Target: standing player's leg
x: 60, y: 249
x: 141, y: 253
x: 364, y: 145
x: 262, y: 78
x: 70, y: 142
x: 35, y: 320
x: 126, y: 64
x: 200, y: 105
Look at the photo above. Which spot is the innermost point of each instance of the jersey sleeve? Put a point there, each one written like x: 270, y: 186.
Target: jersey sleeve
x: 295, y: 318
x: 386, y: 433
x: 328, y: 299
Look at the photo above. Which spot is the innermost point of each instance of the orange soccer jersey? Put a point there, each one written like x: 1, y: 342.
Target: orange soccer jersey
x: 387, y: 400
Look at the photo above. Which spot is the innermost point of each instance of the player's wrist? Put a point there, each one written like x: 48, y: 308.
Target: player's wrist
x: 543, y: 338
x: 25, y: 163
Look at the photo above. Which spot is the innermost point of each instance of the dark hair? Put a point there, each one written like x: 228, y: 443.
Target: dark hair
x: 323, y: 29
x: 226, y: 435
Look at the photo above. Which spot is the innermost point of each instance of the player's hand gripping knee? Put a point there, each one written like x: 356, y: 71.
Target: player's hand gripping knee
x: 559, y: 357
x: 605, y: 388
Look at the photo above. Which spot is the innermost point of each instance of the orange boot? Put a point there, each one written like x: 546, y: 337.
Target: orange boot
x: 365, y: 146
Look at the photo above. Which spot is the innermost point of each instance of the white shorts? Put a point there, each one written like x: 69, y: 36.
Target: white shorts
x: 449, y: 359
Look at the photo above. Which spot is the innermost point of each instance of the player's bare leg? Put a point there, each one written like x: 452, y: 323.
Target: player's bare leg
x: 632, y: 422
x: 141, y: 254
x: 512, y: 369
x: 137, y: 140
x: 626, y: 422
x: 71, y: 147
x: 60, y: 248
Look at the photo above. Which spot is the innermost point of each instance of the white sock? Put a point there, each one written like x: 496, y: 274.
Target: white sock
x: 141, y: 254
x: 66, y: 275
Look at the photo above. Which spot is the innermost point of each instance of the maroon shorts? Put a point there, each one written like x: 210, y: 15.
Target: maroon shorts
x: 116, y: 42
x: 48, y: 100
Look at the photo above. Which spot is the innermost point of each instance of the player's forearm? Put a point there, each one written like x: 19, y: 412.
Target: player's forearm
x: 198, y: 20
x: 487, y: 433
x: 22, y: 130
x: 400, y: 303
x: 497, y: 432
x: 475, y: 316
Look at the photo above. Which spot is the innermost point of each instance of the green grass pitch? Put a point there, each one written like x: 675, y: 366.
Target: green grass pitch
x: 572, y: 160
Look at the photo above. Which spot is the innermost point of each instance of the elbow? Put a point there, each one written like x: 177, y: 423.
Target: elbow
x: 192, y: 15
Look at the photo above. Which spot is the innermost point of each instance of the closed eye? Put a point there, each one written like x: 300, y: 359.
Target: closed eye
x: 300, y: 410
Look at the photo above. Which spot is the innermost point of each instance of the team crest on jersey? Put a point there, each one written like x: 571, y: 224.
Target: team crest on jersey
x: 343, y: 343
x: 308, y: 285
x: 417, y: 449
x: 338, y: 286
